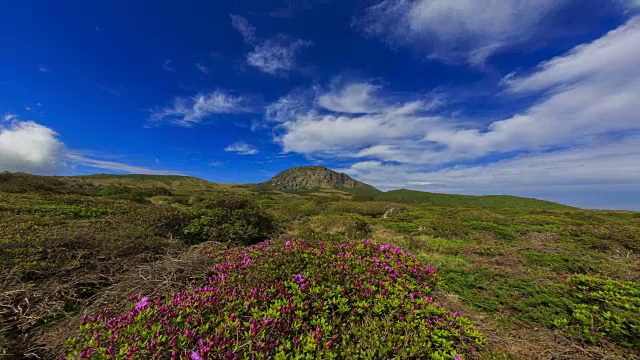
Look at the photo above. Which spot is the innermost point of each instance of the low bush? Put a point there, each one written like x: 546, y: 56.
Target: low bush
x: 603, y: 309
x: 371, y: 209
x: 445, y: 228
x: 228, y: 218
x: 333, y: 226
x: 293, y: 300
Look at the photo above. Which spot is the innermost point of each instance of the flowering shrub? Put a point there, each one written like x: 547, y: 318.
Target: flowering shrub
x: 302, y: 300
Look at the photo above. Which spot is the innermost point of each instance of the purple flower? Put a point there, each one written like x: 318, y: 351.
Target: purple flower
x: 299, y: 278
x: 142, y: 303
x: 456, y: 357
x: 195, y: 356
x: 287, y: 244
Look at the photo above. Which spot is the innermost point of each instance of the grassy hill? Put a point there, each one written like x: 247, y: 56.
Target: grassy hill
x: 488, y: 201
x: 171, y: 182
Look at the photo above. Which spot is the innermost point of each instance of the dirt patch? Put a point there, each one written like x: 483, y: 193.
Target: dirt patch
x: 544, y: 242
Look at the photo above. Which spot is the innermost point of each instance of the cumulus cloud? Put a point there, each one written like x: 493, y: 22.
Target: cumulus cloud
x: 242, y: 148
x: 469, y: 30
x: 275, y: 56
x: 346, y: 120
x: 27, y: 146
x: 190, y: 111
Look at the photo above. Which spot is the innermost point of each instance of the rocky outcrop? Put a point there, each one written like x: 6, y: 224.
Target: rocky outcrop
x: 393, y: 211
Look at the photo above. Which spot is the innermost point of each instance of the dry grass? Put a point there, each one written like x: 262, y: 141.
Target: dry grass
x: 160, y: 278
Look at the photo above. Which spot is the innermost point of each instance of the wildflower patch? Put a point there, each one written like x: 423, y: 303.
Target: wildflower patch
x: 294, y: 299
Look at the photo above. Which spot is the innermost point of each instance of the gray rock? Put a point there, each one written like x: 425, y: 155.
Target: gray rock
x: 394, y: 211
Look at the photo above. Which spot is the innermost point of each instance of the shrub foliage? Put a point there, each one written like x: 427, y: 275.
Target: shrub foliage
x: 302, y: 300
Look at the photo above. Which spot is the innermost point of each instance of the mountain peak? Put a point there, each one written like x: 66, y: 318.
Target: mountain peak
x: 309, y: 177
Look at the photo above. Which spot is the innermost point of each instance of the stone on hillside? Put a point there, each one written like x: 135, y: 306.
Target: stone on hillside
x: 393, y: 211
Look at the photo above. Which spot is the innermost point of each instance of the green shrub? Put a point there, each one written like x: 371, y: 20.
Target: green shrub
x: 603, y: 309
x: 561, y: 263
x: 445, y: 228
x: 333, y: 226
x: 230, y: 219
x: 501, y: 232
x: 401, y: 226
x: 371, y: 209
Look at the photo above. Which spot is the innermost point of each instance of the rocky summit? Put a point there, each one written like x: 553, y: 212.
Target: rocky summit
x: 310, y: 177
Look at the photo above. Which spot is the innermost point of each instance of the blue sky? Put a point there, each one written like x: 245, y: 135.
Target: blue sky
x: 530, y: 98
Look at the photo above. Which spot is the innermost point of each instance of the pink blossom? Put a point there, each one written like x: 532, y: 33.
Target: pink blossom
x: 299, y: 278
x: 142, y: 303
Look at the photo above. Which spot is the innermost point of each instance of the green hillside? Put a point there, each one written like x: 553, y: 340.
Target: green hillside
x: 172, y: 182
x: 488, y: 201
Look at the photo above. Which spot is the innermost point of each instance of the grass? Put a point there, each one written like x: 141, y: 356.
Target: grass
x: 533, y: 278
x: 492, y: 201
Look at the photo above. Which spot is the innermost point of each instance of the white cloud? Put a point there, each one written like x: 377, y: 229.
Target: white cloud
x: 167, y: 66
x: 349, y: 120
x: 275, y: 56
x: 28, y: 146
x: 242, y: 148
x: 43, y: 68
x: 600, y: 164
x: 31, y: 147
x: 352, y: 98
x: 290, y: 107
x: 191, y: 111
x: 9, y: 117
x: 469, y: 30
x: 245, y: 29
x: 77, y: 158
x: 203, y: 69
